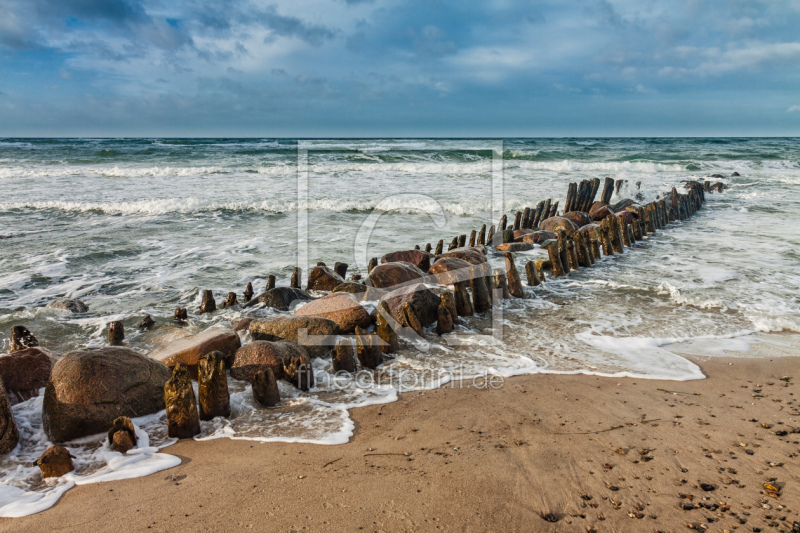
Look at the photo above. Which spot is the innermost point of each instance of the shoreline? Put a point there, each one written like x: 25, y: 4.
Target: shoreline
x: 588, y: 451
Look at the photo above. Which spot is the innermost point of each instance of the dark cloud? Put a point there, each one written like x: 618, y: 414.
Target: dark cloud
x: 286, y: 26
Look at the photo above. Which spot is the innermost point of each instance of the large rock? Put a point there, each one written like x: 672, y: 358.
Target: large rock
x: 322, y: 331
x: 538, y: 237
x: 73, y: 306
x: 361, y: 292
x: 514, y: 247
x: 451, y: 270
x: 340, y: 307
x: 257, y: 356
x: 322, y: 278
x: 579, y: 218
x: 281, y: 298
x: 556, y: 224
x: 89, y: 389
x: 423, y: 301
x: 392, y: 274
x: 627, y: 215
x: 599, y: 211
x: 9, y: 435
x: 622, y: 204
x: 470, y: 254
x: 418, y: 258
x: 286, y: 359
x: 189, y: 350
x: 24, y: 372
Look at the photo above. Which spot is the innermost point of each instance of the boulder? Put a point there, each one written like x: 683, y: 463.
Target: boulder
x: 514, y: 247
x: 450, y: 270
x: 88, y: 389
x: 190, y: 349
x: 538, y: 237
x: 24, y: 372
x: 257, y: 356
x: 471, y: 254
x: 395, y: 273
x: 265, y: 388
x: 9, y: 435
x: 599, y: 211
x: 322, y: 278
x: 340, y: 307
x: 21, y: 338
x: 629, y: 218
x: 518, y: 234
x: 556, y: 224
x: 621, y: 205
x: 55, y: 462
x: 422, y: 300
x: 239, y: 324
x: 360, y: 291
x: 280, y: 298
x: 418, y: 258
x: 73, y: 306
x: 317, y: 339
x: 593, y: 230
x: 579, y: 218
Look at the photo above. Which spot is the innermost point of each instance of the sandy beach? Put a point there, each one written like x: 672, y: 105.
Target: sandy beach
x: 542, y: 453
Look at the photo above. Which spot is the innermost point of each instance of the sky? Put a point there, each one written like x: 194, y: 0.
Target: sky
x: 399, y: 68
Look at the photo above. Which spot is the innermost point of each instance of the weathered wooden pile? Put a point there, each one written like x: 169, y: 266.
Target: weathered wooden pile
x: 91, y: 390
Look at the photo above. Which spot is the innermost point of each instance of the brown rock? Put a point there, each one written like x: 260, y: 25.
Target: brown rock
x: 122, y: 435
x: 538, y: 237
x: 340, y: 307
x: 190, y: 349
x: 265, y: 388
x: 90, y: 388
x: 239, y: 324
x: 450, y: 270
x: 361, y: 292
x: 518, y: 234
x: 395, y: 273
x: 368, y: 349
x: 55, y: 462
x: 248, y: 292
x: 315, y: 334
x: 73, y: 306
x: 629, y: 218
x: 621, y: 205
x: 423, y: 301
x: 297, y: 368
x: 147, y: 322
x: 444, y: 324
x: 448, y: 301
x: 322, y: 278
x: 183, y: 421
x: 514, y: 247
x: 181, y: 314
x: 257, y: 356
x: 556, y: 224
x: 412, y: 320
x: 421, y: 260
x: 21, y: 338
x: 579, y: 218
x: 386, y: 327
x: 212, y: 387
x: 24, y: 372
x: 342, y: 357
x: 9, y: 435
x: 281, y: 298
x: 599, y: 211
x: 230, y: 300
x: 474, y: 255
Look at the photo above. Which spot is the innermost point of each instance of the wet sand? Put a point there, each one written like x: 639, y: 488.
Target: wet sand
x: 590, y: 453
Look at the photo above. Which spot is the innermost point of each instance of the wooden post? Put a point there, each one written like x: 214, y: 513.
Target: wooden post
x: 593, y: 195
x: 368, y: 349
x: 270, y: 282
x: 490, y: 237
x: 596, y: 249
x: 537, y: 216
x: 341, y: 269
x: 230, y: 300
x: 462, y: 240
x: 482, y: 235
x: 342, y: 356
x: 481, y: 292
x: 526, y: 218
x: 385, y: 330
x: 183, y: 420
x: 517, y: 220
x: 554, y: 210
x: 472, y: 237
x: 623, y: 223
x: 508, y: 235
x: 181, y: 314
x: 373, y: 262
x: 616, y: 237
x: 448, y: 300
x: 208, y: 304
x: 503, y: 222
x: 453, y: 244
x: 556, y: 268
x: 605, y: 234
x: 573, y: 254
x: 514, y: 283
x: 584, y: 254
x: 563, y: 251
x: 571, y: 192
x: 212, y: 386
x: 428, y: 247
x: 248, y: 292
x: 463, y: 303
x: 545, y: 211
x: 296, y: 273
x: 500, y: 282
x: 530, y: 272
x: 439, y: 247
x: 608, y: 191
x: 444, y: 320
x: 116, y: 333
x: 637, y: 229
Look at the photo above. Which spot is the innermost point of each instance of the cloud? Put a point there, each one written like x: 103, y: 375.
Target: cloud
x: 794, y: 109
x: 287, y: 26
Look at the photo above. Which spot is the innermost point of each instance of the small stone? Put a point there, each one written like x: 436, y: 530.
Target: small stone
x: 55, y: 462
x: 122, y: 435
x: 147, y: 322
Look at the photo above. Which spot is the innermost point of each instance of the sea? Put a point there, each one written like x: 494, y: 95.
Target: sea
x: 142, y: 226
